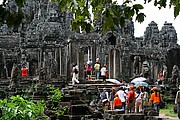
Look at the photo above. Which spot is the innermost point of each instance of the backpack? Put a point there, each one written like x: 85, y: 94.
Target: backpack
x: 131, y: 98
x: 103, y: 96
x: 75, y: 71
x: 111, y: 96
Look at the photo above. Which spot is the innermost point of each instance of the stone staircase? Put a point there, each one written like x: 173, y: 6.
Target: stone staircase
x: 82, y: 99
x: 30, y: 85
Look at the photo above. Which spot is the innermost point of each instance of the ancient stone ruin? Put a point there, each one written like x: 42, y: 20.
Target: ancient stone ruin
x: 48, y: 48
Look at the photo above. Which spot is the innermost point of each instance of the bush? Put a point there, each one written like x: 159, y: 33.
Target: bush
x: 17, y: 108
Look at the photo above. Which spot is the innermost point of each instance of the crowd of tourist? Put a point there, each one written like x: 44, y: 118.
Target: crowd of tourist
x: 130, y: 99
x: 127, y: 98
x: 89, y: 69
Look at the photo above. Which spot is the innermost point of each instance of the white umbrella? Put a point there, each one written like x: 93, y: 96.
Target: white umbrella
x: 139, y: 79
x: 114, y: 81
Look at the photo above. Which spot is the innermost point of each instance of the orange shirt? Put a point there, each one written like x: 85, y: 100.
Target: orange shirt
x: 155, y: 98
x: 117, y: 102
x: 131, y: 94
x: 24, y: 72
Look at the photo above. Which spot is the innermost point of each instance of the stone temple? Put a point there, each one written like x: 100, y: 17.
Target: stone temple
x: 44, y: 43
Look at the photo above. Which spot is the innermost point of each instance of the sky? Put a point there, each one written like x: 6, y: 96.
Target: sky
x: 154, y: 14
x: 158, y: 16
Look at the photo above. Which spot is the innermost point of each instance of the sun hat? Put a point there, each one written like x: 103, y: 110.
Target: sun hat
x: 154, y: 88
x: 131, y: 87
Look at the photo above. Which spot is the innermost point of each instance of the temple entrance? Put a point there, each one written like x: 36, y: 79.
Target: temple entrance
x: 33, y: 66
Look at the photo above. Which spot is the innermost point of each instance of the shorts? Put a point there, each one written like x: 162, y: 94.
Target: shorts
x: 88, y: 72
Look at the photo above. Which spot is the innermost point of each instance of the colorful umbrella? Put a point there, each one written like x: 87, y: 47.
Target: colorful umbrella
x: 144, y: 84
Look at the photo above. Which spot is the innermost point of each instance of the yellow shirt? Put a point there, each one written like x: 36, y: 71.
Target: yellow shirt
x: 97, y: 66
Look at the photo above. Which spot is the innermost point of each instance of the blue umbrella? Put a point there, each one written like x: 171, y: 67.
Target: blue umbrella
x: 140, y: 84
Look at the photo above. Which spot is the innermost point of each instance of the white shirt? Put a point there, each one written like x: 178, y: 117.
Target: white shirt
x: 139, y: 96
x: 103, y: 71
x: 121, y: 95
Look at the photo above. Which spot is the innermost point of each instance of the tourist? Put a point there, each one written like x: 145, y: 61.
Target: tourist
x: 177, y: 102
x: 146, y: 97
x: 104, y: 98
x: 117, y: 102
x: 103, y: 72
x: 138, y: 100
x: 107, y: 72
x: 75, y: 74
x: 97, y: 69
x: 111, y: 98
x: 122, y: 96
x: 24, y: 71
x: 90, y: 62
x: 97, y: 60
x: 155, y: 99
x: 160, y: 75
x: 130, y: 100
x: 88, y: 71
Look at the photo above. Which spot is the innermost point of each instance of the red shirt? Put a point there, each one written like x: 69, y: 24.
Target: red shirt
x: 131, y: 94
x: 24, y: 72
x: 117, y: 102
x: 160, y: 75
x: 88, y: 68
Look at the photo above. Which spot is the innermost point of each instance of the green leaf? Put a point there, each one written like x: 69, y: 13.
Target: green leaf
x: 122, y: 21
x: 80, y: 4
x: 138, y: 6
x: 20, y: 2
x: 163, y: 3
x: 140, y: 17
x: 176, y: 10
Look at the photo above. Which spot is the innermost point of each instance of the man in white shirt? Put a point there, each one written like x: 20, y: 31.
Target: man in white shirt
x: 103, y: 72
x: 122, y: 96
x: 74, y: 74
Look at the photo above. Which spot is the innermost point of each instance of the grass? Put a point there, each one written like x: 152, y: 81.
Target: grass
x: 169, y: 111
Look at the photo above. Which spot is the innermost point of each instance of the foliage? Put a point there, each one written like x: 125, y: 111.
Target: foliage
x: 61, y: 111
x: 88, y: 12
x: 109, y: 12
x: 55, y: 93
x: 10, y: 17
x: 56, y: 96
x: 168, y: 111
x: 17, y: 108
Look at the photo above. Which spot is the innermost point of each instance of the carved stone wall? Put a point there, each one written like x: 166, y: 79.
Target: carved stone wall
x: 45, y: 43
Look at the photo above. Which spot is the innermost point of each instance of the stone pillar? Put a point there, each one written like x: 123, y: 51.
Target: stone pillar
x: 110, y: 63
x: 91, y: 52
x: 88, y: 53
x: 78, y: 61
x: 68, y: 59
x: 120, y: 63
x: 114, y: 64
x: 44, y: 59
x: 60, y: 54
